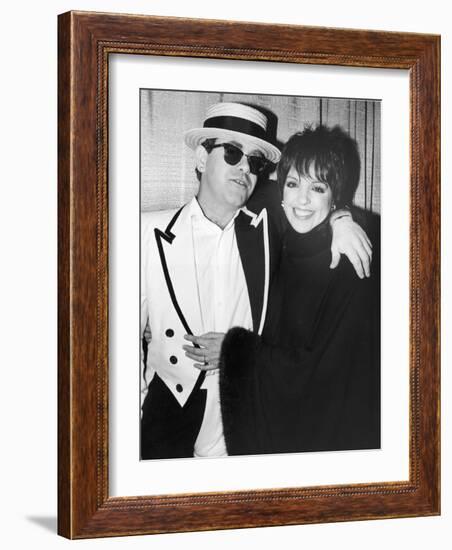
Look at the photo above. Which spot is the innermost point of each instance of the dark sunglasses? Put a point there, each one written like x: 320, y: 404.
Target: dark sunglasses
x: 233, y: 155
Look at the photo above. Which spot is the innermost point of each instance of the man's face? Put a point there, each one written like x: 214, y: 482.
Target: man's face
x: 225, y: 185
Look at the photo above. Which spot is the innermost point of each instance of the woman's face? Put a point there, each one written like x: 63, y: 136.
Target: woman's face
x: 307, y: 201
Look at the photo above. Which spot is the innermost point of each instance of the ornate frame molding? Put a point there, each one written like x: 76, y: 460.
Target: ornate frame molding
x: 85, y: 42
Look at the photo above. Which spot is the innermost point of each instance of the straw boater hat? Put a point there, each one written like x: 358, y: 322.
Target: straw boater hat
x: 235, y: 120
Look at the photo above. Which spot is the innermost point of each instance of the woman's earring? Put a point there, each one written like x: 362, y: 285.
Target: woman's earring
x: 333, y: 207
x: 282, y: 204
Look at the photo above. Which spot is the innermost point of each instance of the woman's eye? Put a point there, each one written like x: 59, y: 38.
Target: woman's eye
x: 291, y: 183
x: 318, y: 188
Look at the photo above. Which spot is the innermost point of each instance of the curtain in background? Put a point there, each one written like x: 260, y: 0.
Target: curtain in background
x: 167, y: 165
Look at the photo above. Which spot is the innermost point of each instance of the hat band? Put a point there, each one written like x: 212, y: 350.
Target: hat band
x: 236, y: 124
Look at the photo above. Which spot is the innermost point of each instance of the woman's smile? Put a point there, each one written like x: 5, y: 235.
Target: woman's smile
x: 302, y: 213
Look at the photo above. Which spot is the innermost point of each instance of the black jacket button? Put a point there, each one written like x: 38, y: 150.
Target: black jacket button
x: 173, y: 359
x: 179, y: 388
x: 169, y: 332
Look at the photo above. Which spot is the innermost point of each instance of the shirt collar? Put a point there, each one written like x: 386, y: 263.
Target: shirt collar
x: 195, y: 212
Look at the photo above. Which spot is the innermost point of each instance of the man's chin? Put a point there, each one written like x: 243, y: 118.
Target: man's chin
x: 238, y: 199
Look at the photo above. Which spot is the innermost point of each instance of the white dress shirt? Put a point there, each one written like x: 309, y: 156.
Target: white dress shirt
x: 224, y: 303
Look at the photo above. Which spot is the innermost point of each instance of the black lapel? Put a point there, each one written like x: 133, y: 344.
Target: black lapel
x: 250, y: 242
x: 169, y: 237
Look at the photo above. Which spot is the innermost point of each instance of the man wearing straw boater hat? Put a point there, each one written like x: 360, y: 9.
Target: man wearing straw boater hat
x: 207, y: 267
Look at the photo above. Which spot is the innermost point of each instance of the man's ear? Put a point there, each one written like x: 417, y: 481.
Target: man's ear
x: 201, y: 158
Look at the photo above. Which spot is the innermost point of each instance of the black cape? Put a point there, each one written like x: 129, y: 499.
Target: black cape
x: 312, y: 381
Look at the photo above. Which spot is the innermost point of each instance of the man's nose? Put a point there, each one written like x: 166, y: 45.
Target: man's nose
x: 244, y: 165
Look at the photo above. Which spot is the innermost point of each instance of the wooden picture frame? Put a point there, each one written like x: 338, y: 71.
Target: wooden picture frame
x: 85, y: 42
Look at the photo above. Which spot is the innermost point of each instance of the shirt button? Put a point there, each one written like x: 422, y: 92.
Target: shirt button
x: 179, y: 388
x: 173, y: 359
x: 169, y: 332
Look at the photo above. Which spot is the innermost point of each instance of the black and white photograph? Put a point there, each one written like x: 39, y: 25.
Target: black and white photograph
x: 267, y: 176
x: 260, y: 274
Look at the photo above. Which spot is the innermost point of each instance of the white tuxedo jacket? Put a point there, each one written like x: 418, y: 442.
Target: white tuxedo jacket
x: 169, y: 304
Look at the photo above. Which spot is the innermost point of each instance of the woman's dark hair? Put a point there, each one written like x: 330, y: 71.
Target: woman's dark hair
x: 329, y: 153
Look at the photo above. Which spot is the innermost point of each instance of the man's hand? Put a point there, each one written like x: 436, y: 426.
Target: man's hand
x: 350, y: 239
x: 208, y: 353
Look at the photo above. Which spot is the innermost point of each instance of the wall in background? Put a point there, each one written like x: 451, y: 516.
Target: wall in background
x: 167, y: 164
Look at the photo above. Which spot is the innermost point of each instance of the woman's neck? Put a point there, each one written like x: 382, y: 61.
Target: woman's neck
x: 311, y: 243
